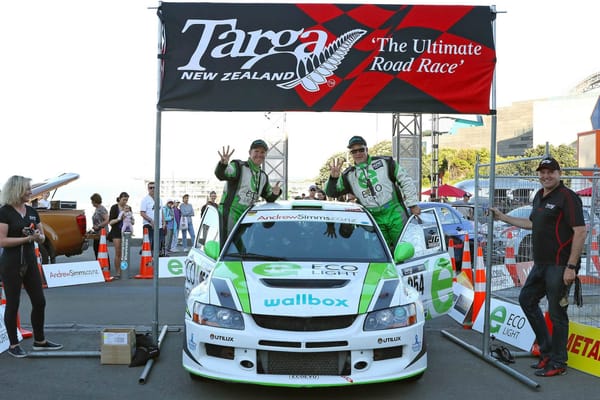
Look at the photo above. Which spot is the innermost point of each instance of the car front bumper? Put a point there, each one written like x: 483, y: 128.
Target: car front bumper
x: 304, y: 359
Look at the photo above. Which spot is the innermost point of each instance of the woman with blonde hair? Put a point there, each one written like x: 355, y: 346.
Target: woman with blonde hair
x: 20, y: 227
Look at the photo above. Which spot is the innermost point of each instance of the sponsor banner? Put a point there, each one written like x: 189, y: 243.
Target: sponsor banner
x: 75, y: 273
x: 171, y: 267
x: 501, y: 278
x: 508, y: 324
x: 523, y: 269
x: 584, y: 348
x: 4, y: 341
x: 461, y: 309
x: 326, y: 57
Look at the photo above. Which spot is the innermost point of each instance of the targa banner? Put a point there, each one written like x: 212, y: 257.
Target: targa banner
x: 326, y: 57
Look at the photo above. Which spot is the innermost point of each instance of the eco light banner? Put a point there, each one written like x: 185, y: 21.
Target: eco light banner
x: 326, y: 57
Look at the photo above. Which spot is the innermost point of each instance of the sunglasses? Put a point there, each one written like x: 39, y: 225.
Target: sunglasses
x: 360, y: 150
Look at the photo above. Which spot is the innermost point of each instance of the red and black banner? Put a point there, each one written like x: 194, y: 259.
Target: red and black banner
x: 326, y: 57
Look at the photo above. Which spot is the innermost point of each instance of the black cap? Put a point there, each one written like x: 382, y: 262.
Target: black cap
x: 259, y: 143
x: 548, y: 163
x: 357, y: 140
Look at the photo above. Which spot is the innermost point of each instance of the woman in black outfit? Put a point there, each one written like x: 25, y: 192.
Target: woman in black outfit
x: 20, y: 226
x: 115, y: 220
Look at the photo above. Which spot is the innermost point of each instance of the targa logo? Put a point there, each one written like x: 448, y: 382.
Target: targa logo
x: 315, y: 59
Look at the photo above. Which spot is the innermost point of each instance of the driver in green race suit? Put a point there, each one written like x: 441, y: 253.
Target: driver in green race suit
x: 246, y: 182
x: 380, y: 184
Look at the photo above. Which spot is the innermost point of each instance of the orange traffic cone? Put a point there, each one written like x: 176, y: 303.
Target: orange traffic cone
x: 24, y: 332
x: 535, y: 349
x: 594, y: 250
x: 103, y: 256
x: 509, y: 259
x: 452, y: 258
x: 479, y: 296
x: 466, y: 259
x: 146, y: 269
x: 38, y: 257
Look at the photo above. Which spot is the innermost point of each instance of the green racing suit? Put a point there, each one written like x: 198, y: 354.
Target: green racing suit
x: 245, y: 183
x: 383, y: 187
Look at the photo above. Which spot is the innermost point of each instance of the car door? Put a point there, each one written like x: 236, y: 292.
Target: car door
x: 429, y: 271
x: 197, y: 263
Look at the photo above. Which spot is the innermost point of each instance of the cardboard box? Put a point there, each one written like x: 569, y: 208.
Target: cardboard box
x: 117, y: 345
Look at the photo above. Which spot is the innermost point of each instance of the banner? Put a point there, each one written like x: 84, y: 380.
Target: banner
x: 326, y: 57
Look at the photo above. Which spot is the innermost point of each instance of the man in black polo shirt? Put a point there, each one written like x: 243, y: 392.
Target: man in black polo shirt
x: 558, y: 236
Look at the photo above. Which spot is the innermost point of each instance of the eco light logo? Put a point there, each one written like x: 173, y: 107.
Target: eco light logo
x: 278, y: 269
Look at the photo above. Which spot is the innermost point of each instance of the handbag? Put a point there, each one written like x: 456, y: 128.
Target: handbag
x: 183, y: 223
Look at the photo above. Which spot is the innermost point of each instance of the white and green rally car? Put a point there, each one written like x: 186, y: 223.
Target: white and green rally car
x: 306, y: 293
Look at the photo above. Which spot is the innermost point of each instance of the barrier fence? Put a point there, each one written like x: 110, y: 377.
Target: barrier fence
x: 513, y: 195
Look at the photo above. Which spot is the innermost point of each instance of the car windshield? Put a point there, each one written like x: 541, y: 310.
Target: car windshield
x: 318, y: 237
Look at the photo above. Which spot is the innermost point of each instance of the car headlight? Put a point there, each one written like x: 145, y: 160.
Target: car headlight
x: 390, y: 318
x: 221, y: 317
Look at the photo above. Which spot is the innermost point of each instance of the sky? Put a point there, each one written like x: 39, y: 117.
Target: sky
x: 79, y: 90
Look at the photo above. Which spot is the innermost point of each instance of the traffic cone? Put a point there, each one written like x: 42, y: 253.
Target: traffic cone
x: 38, y: 257
x: 479, y: 297
x: 594, y: 250
x: 452, y: 258
x: 103, y: 256
x: 509, y: 259
x: 466, y: 259
x: 146, y: 269
x: 24, y: 332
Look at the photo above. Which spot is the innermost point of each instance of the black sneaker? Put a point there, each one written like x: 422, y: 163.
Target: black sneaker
x: 17, y: 352
x: 47, y: 346
x: 551, y: 370
x: 541, y: 364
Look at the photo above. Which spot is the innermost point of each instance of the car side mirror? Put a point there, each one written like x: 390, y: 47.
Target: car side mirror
x: 403, y: 252
x: 212, y: 249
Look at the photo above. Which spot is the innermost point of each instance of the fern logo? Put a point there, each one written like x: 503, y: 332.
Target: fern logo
x: 314, y: 70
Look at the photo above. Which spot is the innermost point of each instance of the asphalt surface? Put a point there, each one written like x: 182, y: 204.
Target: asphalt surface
x: 76, y: 315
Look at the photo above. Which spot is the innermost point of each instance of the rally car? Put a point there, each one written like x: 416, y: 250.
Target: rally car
x: 306, y: 294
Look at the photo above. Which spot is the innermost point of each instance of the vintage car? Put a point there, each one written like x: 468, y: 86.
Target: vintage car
x: 306, y: 293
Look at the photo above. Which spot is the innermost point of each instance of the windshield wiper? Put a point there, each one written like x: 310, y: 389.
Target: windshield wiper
x: 254, y: 256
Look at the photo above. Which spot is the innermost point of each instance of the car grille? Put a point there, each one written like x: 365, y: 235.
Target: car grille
x: 303, y: 324
x: 326, y: 363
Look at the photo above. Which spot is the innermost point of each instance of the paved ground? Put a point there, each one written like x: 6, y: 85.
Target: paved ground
x: 76, y: 315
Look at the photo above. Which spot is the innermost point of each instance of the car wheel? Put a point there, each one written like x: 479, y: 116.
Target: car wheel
x: 525, y: 251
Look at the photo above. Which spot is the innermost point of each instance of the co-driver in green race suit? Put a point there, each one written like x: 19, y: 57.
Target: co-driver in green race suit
x: 246, y: 182
x: 380, y: 184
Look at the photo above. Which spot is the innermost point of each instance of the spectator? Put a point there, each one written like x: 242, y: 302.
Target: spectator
x: 176, y: 224
x: 187, y: 212
x: 212, y: 200
x: 312, y: 192
x: 44, y: 202
x: 127, y: 220
x: 147, y: 213
x: 558, y: 235
x: 380, y: 184
x: 321, y: 195
x: 115, y: 217
x: 168, y: 222
x: 20, y: 226
x: 99, y: 220
x: 246, y: 183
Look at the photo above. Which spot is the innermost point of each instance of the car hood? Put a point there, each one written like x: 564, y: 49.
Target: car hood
x: 306, y: 289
